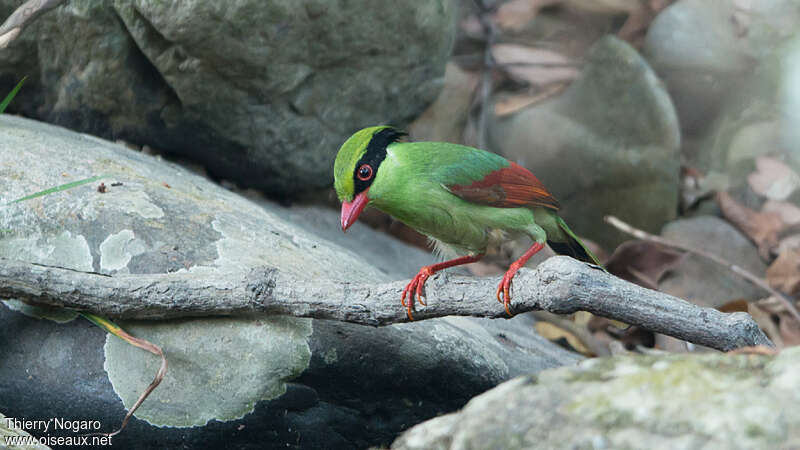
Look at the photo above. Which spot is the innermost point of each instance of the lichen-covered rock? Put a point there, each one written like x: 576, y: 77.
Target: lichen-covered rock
x: 607, y: 146
x: 262, y: 93
x: 713, y: 401
x: 231, y: 381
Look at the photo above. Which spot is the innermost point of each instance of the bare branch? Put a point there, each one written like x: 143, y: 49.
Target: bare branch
x: 21, y: 17
x: 738, y: 270
x: 560, y: 285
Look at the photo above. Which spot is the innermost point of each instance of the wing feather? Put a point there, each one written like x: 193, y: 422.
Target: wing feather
x: 508, y: 187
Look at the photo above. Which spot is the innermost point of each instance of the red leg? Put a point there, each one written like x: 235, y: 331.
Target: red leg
x: 418, y: 281
x: 505, y: 284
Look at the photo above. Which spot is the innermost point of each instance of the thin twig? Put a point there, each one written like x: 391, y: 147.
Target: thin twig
x: 488, y: 69
x: 760, y: 282
x: 23, y: 16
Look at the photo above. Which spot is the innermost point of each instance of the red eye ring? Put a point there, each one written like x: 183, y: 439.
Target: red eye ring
x: 364, y: 172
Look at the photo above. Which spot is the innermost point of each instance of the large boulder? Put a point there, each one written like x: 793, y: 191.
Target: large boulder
x: 607, y: 146
x: 714, y: 401
x: 706, y: 283
x: 732, y: 69
x: 262, y: 93
x: 266, y: 380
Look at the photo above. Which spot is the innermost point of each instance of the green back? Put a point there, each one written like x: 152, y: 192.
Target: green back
x: 446, y: 163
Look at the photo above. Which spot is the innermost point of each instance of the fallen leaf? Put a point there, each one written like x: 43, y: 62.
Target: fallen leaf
x: 784, y: 273
x: 771, y: 305
x: 773, y: 179
x: 643, y: 262
x: 734, y: 306
x: 789, y: 329
x: 514, y: 15
x: 536, y: 66
x: 553, y: 333
x: 788, y: 212
x: 762, y: 228
x: 514, y: 103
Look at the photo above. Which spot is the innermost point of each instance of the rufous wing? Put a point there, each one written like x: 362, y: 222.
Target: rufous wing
x: 509, y: 187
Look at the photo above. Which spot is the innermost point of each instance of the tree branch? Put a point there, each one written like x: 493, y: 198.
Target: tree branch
x: 22, y: 16
x: 757, y: 281
x: 560, y: 285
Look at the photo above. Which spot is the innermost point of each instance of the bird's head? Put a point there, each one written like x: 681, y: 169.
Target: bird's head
x: 357, y: 166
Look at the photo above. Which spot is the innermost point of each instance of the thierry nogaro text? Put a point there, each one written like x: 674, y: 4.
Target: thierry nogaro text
x: 52, y: 424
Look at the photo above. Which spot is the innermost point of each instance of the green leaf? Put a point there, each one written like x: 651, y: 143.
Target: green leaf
x: 11, y: 95
x: 63, y: 187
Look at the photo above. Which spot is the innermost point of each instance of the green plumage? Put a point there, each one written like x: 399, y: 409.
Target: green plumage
x: 412, y: 183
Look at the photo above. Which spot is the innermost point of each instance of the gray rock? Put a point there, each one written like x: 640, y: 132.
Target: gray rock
x: 730, y: 68
x: 695, y: 47
x: 261, y: 93
x: 706, y: 283
x: 607, y: 146
x: 231, y: 381
x: 712, y: 401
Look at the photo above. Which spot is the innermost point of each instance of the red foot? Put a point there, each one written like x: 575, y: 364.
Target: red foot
x: 418, y: 282
x: 503, y: 295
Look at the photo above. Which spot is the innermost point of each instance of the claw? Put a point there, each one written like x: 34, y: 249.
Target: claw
x: 417, y: 284
x: 503, y: 295
x: 505, y: 284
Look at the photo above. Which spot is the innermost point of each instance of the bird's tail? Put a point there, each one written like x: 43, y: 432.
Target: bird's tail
x: 573, y: 246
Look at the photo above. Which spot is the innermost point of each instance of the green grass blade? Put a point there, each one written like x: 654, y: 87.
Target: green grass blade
x: 11, y: 95
x: 63, y: 187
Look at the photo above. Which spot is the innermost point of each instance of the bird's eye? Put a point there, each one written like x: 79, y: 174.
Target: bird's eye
x: 364, y: 172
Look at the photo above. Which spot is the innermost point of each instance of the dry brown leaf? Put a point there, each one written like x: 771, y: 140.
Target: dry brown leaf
x: 789, y: 329
x: 771, y: 305
x: 734, y: 306
x: 762, y: 228
x: 643, y: 262
x: 553, y: 333
x: 514, y: 103
x: 784, y: 273
x: 514, y: 15
x: 536, y: 66
x: 773, y: 179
